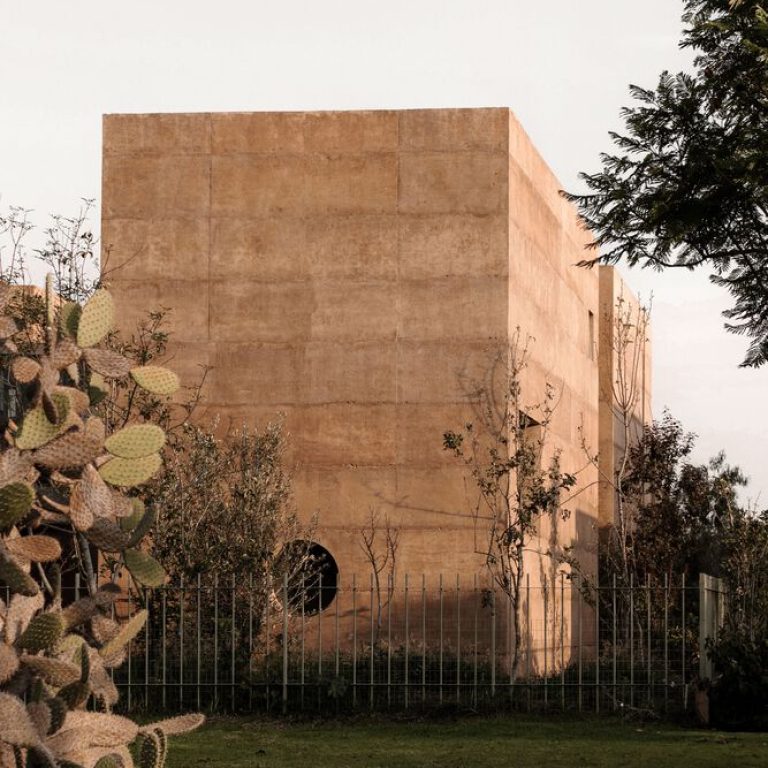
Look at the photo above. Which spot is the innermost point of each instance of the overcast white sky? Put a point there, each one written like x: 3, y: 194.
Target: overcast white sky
x: 563, y: 66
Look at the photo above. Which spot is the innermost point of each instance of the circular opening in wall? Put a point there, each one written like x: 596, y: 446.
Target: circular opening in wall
x: 313, y: 576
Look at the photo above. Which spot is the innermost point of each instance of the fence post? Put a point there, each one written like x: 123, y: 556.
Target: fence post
x: 440, y: 671
x: 493, y: 640
x: 458, y: 640
x: 562, y: 640
x: 529, y: 633
x: 354, y: 640
x: 581, y: 642
x: 285, y: 643
x: 407, y: 646
x: 597, y: 647
x: 182, y: 600
x: 682, y: 652
x: 232, y: 643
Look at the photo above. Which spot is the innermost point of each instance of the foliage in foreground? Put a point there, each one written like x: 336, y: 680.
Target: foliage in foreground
x: 63, y: 500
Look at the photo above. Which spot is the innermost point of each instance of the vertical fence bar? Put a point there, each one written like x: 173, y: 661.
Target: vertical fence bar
x: 267, y: 635
x: 493, y: 641
x: 390, y: 588
x: 182, y: 600
x: 146, y: 649
x: 546, y: 650
x: 510, y: 641
x: 682, y: 649
x: 162, y: 616
x: 130, y: 655
x: 581, y: 642
x: 303, y: 673
x: 373, y: 645
x: 216, y: 641
x: 339, y: 592
x: 285, y: 643
x: 597, y: 648
x: 666, y: 640
x: 440, y: 671
x: 562, y: 641
x: 615, y: 619
x: 250, y: 641
x: 354, y: 640
x: 649, y: 671
x: 529, y: 636
x: 423, y: 639
x: 197, y: 621
x: 474, y: 654
x: 407, y: 678
x: 458, y: 640
x: 232, y: 643
x: 319, y: 638
x: 631, y: 640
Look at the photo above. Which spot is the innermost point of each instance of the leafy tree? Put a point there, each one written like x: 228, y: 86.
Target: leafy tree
x: 686, y: 184
x: 517, y: 473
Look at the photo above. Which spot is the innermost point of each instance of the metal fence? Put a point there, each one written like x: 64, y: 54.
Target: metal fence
x: 420, y: 642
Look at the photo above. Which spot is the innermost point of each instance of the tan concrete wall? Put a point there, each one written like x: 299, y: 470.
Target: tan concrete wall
x: 348, y: 269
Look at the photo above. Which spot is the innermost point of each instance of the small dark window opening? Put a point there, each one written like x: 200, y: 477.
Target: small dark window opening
x: 313, y: 576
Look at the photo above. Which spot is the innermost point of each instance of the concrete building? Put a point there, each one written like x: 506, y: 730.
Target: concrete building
x: 353, y: 271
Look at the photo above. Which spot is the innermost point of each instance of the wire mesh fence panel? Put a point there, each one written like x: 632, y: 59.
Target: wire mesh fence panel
x: 220, y: 644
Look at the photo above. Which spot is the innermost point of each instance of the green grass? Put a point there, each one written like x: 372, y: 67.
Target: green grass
x: 517, y: 742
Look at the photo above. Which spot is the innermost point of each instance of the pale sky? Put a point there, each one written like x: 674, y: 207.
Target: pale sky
x: 563, y: 66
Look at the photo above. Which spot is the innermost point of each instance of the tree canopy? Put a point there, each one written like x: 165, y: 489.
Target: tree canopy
x: 686, y: 184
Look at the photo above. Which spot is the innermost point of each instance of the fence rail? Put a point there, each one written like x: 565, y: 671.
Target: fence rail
x: 414, y: 643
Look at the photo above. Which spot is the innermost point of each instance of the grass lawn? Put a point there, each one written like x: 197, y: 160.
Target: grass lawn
x: 519, y: 742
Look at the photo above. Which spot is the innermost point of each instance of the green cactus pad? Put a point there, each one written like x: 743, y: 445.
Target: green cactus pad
x: 15, y: 578
x: 58, y: 713
x: 36, y: 430
x: 96, y: 319
x: 131, y: 521
x: 43, y: 632
x: 15, y: 502
x: 75, y: 694
x: 149, y: 751
x: 155, y: 379
x: 144, y: 568
x: 98, y: 389
x: 142, y: 528
x: 136, y: 441
x: 109, y: 761
x: 129, y: 472
x: 125, y: 634
x: 69, y: 317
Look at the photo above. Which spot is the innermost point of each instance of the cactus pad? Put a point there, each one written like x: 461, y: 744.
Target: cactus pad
x: 155, y: 379
x: 142, y: 528
x: 111, y: 365
x: 25, y: 370
x: 13, y: 576
x: 15, y: 502
x: 72, y: 450
x: 98, y: 389
x: 36, y: 430
x: 137, y: 513
x: 129, y: 472
x: 96, y: 319
x: 15, y: 726
x: 125, y: 634
x: 136, y: 441
x: 43, y: 632
x: 144, y: 568
x: 9, y: 662
x: 37, y: 548
x: 107, y: 536
x: 55, y: 672
x: 175, y: 726
x: 66, y: 353
x: 69, y: 317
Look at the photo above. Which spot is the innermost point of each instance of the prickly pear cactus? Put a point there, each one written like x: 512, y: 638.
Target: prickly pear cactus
x: 59, y: 471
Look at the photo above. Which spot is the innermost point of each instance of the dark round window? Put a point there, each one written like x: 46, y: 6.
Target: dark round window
x: 313, y: 576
